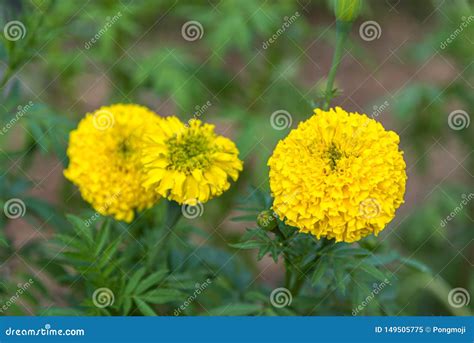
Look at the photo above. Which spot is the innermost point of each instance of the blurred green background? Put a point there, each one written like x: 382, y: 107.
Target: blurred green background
x: 248, y: 60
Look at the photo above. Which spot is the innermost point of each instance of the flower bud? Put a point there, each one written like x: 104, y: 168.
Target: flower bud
x: 266, y: 220
x: 347, y: 10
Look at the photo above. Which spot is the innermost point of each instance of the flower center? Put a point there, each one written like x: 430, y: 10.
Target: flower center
x: 125, y: 148
x: 189, y: 151
x: 334, y: 155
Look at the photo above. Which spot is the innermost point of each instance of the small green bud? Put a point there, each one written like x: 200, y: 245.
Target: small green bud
x: 347, y: 10
x: 369, y: 243
x: 267, y: 220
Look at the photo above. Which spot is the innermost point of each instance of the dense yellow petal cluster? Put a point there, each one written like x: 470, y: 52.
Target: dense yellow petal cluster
x: 189, y: 163
x: 338, y: 175
x: 105, y: 160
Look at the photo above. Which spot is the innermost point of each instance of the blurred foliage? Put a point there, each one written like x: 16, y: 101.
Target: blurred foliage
x: 49, y: 79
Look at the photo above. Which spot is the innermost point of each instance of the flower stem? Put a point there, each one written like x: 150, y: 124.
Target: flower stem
x: 342, y: 33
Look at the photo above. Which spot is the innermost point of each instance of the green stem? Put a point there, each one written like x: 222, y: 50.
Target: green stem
x: 6, y: 77
x: 173, y: 214
x: 342, y: 33
x: 300, y: 279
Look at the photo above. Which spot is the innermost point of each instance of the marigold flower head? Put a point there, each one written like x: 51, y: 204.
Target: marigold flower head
x: 338, y: 175
x: 105, y: 160
x: 189, y: 163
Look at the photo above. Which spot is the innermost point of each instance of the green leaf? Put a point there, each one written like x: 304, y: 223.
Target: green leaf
x: 320, y: 268
x: 151, y: 280
x: 340, y: 275
x: 144, y: 307
x: 348, y: 251
x: 81, y: 229
x: 373, y: 271
x: 416, y: 265
x: 134, y: 280
x: 245, y: 218
x: 163, y: 296
x: 103, y: 237
x: 127, y: 305
x: 235, y: 309
x: 247, y: 245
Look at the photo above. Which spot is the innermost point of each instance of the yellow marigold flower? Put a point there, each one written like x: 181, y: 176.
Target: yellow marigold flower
x: 105, y: 160
x: 338, y: 175
x: 189, y: 164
